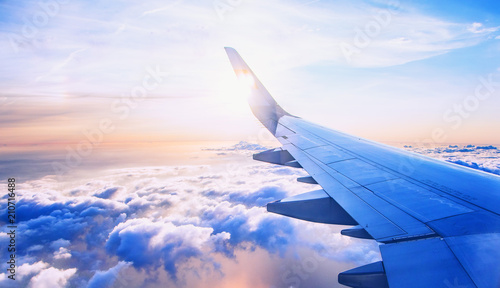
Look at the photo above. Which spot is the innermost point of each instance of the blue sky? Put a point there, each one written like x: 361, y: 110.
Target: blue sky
x: 65, y: 68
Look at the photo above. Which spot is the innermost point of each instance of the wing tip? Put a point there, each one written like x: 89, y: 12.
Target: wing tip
x: 229, y: 49
x: 263, y: 105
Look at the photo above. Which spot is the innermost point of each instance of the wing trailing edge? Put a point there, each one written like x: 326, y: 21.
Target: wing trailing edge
x: 315, y: 206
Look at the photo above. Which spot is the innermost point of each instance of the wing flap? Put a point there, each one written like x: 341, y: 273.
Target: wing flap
x: 274, y: 156
x: 371, y: 275
x: 361, y: 172
x: 329, y: 154
x: 427, y: 263
x: 417, y: 201
x: 479, y: 255
x: 315, y: 206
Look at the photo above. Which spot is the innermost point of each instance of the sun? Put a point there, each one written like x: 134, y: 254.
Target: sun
x: 233, y: 92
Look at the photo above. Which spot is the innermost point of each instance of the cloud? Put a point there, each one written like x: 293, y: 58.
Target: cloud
x: 484, y: 158
x: 52, y: 278
x: 175, y: 222
x: 161, y: 9
x: 249, y: 226
x: 186, y: 226
x: 108, y: 277
x: 31, y: 269
x: 145, y: 243
x: 258, y: 198
x: 407, y: 35
x: 477, y: 166
x: 240, y: 146
x: 477, y: 28
x: 61, y: 65
x: 108, y: 193
x: 489, y: 147
x: 62, y: 253
x: 60, y: 243
x: 53, y: 227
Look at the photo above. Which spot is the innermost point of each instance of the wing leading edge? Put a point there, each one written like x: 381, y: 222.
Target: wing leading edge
x: 438, y: 223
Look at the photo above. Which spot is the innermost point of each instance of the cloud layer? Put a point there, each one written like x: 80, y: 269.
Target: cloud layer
x: 186, y: 226
x: 485, y: 158
x: 181, y: 226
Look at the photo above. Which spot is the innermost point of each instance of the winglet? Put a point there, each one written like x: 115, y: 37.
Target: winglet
x: 263, y: 106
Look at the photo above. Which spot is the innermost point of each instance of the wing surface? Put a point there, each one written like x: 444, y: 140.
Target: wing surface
x: 438, y: 224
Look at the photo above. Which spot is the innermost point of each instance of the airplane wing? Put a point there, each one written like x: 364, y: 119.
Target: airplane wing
x: 437, y: 223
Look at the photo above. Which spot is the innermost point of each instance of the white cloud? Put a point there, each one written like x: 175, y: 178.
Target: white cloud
x: 62, y: 253
x: 108, y: 277
x: 478, y: 28
x: 30, y: 269
x: 52, y: 278
x: 163, y: 218
x: 485, y: 158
